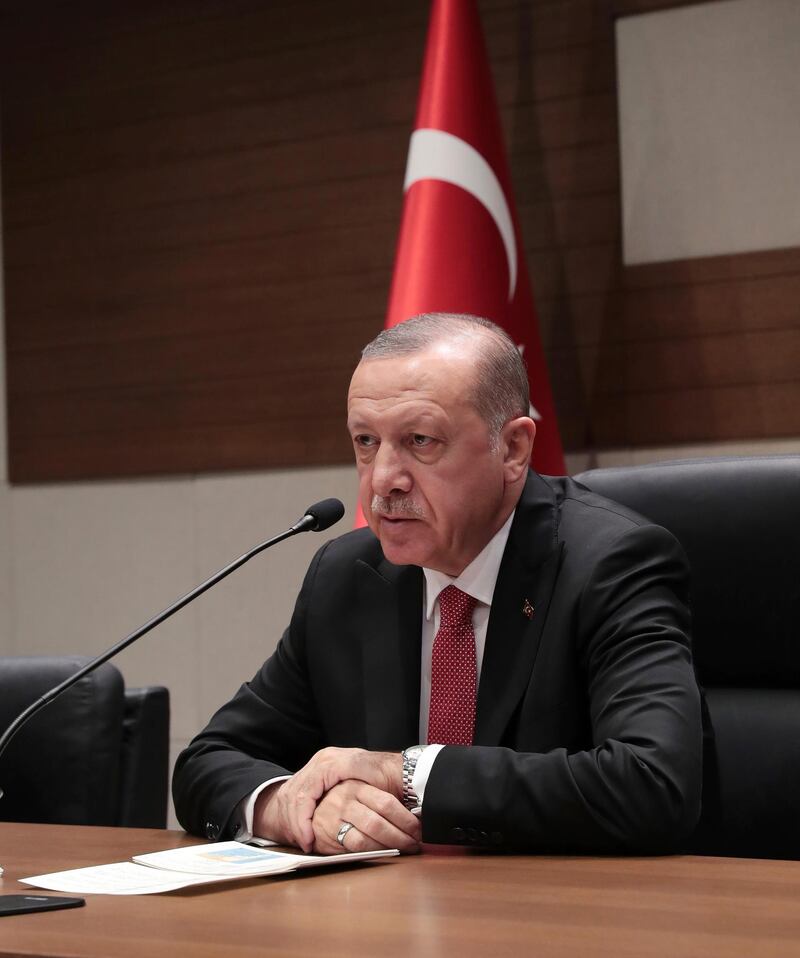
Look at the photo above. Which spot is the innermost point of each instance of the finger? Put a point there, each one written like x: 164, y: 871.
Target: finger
x: 391, y: 809
x: 301, y: 803
x: 279, y: 820
x: 300, y: 813
x: 370, y: 834
x: 384, y: 807
x: 380, y: 819
x: 322, y: 772
x: 384, y: 770
x: 377, y: 825
x: 353, y: 841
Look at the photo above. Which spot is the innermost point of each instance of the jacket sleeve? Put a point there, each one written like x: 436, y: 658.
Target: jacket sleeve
x: 637, y: 788
x: 268, y: 729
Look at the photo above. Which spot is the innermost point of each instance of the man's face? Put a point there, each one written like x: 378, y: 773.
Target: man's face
x: 431, y: 488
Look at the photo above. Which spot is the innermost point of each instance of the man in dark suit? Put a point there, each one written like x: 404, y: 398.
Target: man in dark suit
x: 531, y: 636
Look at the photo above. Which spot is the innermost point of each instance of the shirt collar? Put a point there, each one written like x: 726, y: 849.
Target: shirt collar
x: 479, y: 577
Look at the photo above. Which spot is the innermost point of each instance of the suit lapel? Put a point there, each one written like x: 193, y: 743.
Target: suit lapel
x: 390, y: 616
x: 526, y: 580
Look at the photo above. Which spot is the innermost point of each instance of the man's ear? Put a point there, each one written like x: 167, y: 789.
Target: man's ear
x: 516, y: 441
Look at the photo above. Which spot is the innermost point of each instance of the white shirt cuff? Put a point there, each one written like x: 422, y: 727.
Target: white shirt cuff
x: 423, y: 770
x: 246, y: 809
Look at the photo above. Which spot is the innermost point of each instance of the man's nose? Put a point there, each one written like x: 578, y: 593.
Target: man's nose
x: 389, y: 473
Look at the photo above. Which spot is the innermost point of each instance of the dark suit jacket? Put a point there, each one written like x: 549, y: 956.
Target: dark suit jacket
x: 588, y: 729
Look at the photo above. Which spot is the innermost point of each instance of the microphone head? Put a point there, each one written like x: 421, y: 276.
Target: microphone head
x: 324, y: 514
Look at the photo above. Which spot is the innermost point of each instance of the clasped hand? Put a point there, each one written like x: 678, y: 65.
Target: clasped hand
x: 340, y: 785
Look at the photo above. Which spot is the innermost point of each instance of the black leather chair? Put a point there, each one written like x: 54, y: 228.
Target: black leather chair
x: 97, y: 755
x: 739, y: 522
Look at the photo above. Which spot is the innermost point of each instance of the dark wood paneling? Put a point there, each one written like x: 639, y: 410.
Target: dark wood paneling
x: 201, y: 202
x: 686, y: 351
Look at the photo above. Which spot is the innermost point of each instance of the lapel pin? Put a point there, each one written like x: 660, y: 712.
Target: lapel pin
x: 527, y: 609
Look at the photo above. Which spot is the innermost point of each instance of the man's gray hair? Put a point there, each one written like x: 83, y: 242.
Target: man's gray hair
x: 500, y: 391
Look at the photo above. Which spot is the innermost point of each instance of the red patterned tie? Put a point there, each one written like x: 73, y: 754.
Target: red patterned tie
x: 454, y: 674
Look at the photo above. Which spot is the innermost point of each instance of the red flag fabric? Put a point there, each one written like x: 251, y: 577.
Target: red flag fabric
x: 460, y: 247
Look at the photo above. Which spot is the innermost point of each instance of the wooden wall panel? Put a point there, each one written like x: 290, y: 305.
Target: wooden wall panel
x: 689, y: 351
x: 200, y: 227
x: 201, y: 202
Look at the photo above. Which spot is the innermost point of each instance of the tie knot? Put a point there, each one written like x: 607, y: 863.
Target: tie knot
x: 455, y: 607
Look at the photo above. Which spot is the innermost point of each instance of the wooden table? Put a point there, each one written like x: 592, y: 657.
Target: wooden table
x: 434, y: 904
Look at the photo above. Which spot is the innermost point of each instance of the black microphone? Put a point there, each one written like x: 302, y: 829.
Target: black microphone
x: 320, y: 516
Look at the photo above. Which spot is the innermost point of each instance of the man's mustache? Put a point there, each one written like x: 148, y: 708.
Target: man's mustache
x: 401, y: 507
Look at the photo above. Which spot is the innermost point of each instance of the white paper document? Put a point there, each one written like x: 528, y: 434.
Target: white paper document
x: 181, y: 867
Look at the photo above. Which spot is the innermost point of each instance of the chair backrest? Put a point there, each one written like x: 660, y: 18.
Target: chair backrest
x: 738, y: 520
x: 144, y: 784
x: 96, y: 755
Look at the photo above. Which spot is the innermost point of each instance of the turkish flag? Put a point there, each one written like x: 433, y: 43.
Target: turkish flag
x: 460, y: 248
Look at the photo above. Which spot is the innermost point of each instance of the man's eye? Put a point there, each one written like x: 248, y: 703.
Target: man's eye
x: 419, y: 440
x: 364, y: 440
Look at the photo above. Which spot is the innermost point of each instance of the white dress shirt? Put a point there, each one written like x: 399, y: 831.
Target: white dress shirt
x: 478, y: 580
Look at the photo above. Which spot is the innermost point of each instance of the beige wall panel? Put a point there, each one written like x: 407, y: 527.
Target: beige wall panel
x: 246, y: 614
x: 92, y: 562
x: 708, y: 124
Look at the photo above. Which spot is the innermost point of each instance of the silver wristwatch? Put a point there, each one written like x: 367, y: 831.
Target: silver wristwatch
x: 410, y: 758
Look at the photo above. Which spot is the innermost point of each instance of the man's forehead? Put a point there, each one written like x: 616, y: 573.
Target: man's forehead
x: 407, y: 410
x: 441, y: 370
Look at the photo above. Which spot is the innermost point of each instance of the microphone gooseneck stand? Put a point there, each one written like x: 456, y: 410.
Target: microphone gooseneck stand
x: 317, y: 518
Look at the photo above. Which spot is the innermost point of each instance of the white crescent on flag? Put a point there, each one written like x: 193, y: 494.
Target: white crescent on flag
x: 436, y: 155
